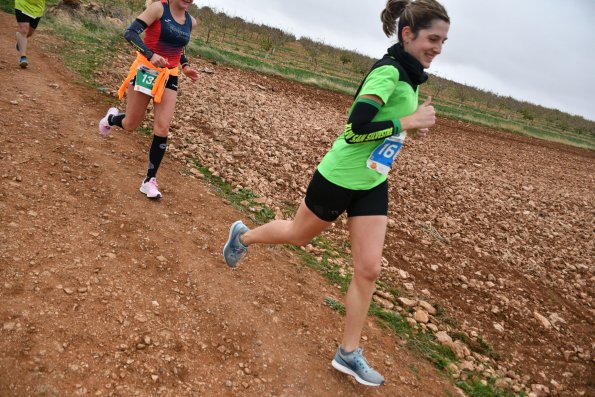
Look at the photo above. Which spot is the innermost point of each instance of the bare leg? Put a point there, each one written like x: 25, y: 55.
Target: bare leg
x: 367, y: 241
x: 136, y: 107
x: 299, y: 231
x: 163, y: 112
x: 23, y: 34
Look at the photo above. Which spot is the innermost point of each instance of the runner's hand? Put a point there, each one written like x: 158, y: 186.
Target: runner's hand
x: 421, y: 133
x: 423, y: 118
x: 191, y: 73
x: 158, y: 61
x: 425, y: 115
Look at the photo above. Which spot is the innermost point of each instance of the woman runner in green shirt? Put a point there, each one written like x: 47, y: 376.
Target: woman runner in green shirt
x: 352, y: 176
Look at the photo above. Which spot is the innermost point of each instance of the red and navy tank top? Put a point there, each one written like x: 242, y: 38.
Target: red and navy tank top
x: 167, y: 38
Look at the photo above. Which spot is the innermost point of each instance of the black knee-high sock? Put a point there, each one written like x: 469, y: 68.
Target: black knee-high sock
x: 116, y: 120
x: 156, y: 154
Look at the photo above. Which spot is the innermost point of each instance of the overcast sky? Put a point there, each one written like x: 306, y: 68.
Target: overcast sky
x: 540, y: 51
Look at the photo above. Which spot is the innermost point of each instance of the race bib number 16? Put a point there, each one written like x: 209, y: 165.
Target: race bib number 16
x: 384, y: 155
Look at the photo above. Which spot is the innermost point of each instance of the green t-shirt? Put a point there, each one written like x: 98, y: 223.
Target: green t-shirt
x: 33, y: 8
x: 345, y: 164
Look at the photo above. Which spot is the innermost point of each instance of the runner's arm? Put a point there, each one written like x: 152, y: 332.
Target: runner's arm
x: 360, y: 128
x: 132, y: 34
x: 152, y: 13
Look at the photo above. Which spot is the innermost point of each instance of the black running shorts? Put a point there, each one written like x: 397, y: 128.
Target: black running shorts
x: 328, y: 201
x: 24, y: 18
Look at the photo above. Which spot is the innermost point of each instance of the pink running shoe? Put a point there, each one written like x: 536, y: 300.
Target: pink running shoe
x: 150, y: 189
x: 104, y: 127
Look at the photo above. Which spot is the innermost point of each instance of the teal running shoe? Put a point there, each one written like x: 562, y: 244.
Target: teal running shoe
x: 23, y: 62
x: 234, y: 249
x: 355, y: 364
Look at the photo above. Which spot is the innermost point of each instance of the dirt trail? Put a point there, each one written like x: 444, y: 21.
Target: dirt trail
x: 106, y: 293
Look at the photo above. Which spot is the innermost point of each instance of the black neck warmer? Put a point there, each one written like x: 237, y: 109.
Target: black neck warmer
x: 412, y: 66
x: 410, y: 69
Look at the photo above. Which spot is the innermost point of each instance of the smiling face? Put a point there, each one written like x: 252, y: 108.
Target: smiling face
x: 428, y: 42
x: 184, y: 4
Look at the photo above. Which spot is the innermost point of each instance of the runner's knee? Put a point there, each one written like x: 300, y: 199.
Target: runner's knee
x: 368, y: 272
x: 130, y: 124
x: 160, y: 131
x: 160, y: 128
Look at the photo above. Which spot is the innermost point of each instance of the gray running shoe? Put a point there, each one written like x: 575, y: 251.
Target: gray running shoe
x: 355, y: 364
x: 234, y: 250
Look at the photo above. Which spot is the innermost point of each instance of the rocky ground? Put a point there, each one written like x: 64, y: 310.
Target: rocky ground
x: 490, y: 245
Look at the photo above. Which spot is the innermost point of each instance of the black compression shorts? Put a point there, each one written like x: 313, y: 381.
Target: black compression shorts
x: 24, y: 18
x: 328, y: 201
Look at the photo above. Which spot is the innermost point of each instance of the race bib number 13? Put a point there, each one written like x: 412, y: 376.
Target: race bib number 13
x: 145, y: 78
x: 384, y: 155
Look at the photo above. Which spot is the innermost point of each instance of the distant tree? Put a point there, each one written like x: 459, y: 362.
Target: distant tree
x: 461, y: 94
x: 485, y: 98
x: 237, y: 25
x: 266, y: 44
x: 526, y: 113
x: 345, y: 58
x: 313, y: 50
x: 209, y: 20
x: 437, y: 85
x: 361, y: 64
x: 274, y: 38
x: 512, y: 104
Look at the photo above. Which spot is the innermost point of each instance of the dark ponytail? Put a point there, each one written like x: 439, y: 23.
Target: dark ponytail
x: 417, y: 14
